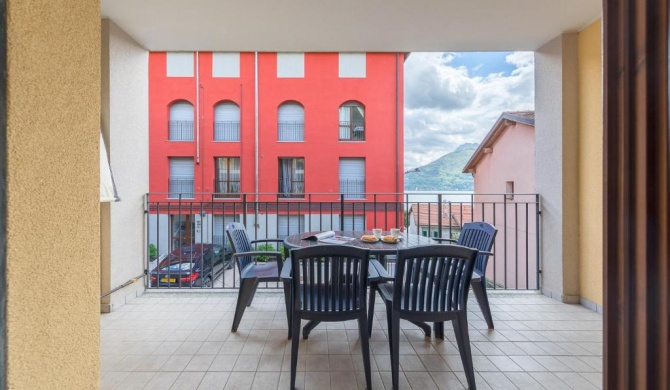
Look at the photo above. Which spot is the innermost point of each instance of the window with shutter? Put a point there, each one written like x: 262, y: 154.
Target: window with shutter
x: 181, y: 177
x: 290, y: 224
x: 354, y: 222
x: 181, y: 122
x: 291, y: 122
x: 227, y: 122
x: 352, y: 178
x: 219, y: 229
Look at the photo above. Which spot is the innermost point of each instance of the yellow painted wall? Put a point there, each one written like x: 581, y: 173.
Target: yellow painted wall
x: 53, y: 212
x: 590, y: 164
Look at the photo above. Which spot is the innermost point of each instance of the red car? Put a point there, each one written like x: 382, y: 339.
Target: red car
x: 192, y: 266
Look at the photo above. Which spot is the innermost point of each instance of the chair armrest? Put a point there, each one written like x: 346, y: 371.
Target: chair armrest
x: 373, y: 274
x: 285, y: 274
x: 476, y: 276
x: 380, y: 273
x: 275, y: 255
x: 485, y: 253
x: 444, y: 239
x: 256, y: 254
x: 267, y: 240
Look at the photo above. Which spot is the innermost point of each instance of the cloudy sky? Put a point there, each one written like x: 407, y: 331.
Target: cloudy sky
x: 454, y: 98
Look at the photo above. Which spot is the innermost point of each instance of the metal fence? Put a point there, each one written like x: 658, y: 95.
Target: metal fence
x: 227, y: 131
x: 352, y: 131
x: 516, y: 265
x: 291, y: 131
x: 352, y: 188
x: 180, y: 188
x: 181, y: 130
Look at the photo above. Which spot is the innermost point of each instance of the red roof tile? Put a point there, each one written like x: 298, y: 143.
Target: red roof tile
x: 454, y: 214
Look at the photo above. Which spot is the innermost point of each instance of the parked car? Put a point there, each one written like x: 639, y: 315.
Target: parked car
x: 192, y: 266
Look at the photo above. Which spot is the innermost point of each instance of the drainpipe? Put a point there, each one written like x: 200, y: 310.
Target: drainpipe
x: 197, y: 108
x: 397, y: 122
x: 241, y: 132
x: 256, y: 122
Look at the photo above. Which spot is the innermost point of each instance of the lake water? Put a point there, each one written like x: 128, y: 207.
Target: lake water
x: 432, y: 196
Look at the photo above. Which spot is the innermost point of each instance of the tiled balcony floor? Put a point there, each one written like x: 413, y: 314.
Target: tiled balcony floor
x: 182, y: 340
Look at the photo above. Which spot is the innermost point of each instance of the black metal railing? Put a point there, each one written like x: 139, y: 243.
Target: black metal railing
x: 227, y: 131
x: 515, y: 264
x: 352, y: 188
x: 291, y: 131
x: 352, y: 131
x: 180, y: 188
x: 180, y: 130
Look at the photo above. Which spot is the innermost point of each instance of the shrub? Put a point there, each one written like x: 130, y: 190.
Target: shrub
x: 153, y: 252
x: 268, y: 248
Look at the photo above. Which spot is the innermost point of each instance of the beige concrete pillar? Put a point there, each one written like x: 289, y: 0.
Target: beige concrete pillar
x: 556, y: 165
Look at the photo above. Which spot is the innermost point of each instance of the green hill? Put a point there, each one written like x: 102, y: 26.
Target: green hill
x: 443, y: 174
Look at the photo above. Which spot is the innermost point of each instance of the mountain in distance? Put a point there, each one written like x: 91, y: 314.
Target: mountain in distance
x: 443, y: 174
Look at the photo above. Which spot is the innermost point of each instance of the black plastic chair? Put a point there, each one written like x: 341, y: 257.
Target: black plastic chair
x: 431, y: 284
x: 374, y: 289
x: 251, y: 272
x: 329, y: 284
x: 480, y: 236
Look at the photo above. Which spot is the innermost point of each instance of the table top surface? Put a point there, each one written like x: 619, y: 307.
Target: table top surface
x: 376, y: 248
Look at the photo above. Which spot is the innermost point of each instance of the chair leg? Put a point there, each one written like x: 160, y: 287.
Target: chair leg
x: 438, y: 327
x: 371, y: 307
x: 295, y: 329
x: 395, y: 349
x: 479, y: 288
x: 251, y: 298
x: 287, y: 299
x: 247, y: 288
x: 365, y: 347
x: 389, y: 323
x: 463, y: 341
x: 425, y: 327
x: 308, y: 328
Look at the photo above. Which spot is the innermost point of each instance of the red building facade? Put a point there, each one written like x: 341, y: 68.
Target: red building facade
x: 271, y: 127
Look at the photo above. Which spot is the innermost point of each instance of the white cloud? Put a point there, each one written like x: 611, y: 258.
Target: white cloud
x: 446, y: 107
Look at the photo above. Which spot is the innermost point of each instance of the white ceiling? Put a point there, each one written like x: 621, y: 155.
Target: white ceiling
x: 348, y: 25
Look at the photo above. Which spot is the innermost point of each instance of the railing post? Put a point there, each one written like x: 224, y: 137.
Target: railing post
x: 439, y: 215
x: 244, y: 209
x: 505, y: 238
x: 374, y: 205
x: 342, y: 212
x: 538, y: 212
x: 309, y: 211
x: 451, y: 216
x: 148, y: 238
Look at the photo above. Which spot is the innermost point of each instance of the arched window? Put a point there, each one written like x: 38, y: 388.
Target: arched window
x: 352, y: 122
x: 291, y: 122
x: 181, y: 122
x: 227, y: 122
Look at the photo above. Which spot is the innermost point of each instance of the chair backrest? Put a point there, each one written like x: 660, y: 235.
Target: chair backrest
x: 329, y: 278
x: 433, y: 279
x: 239, y: 240
x: 478, y: 235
